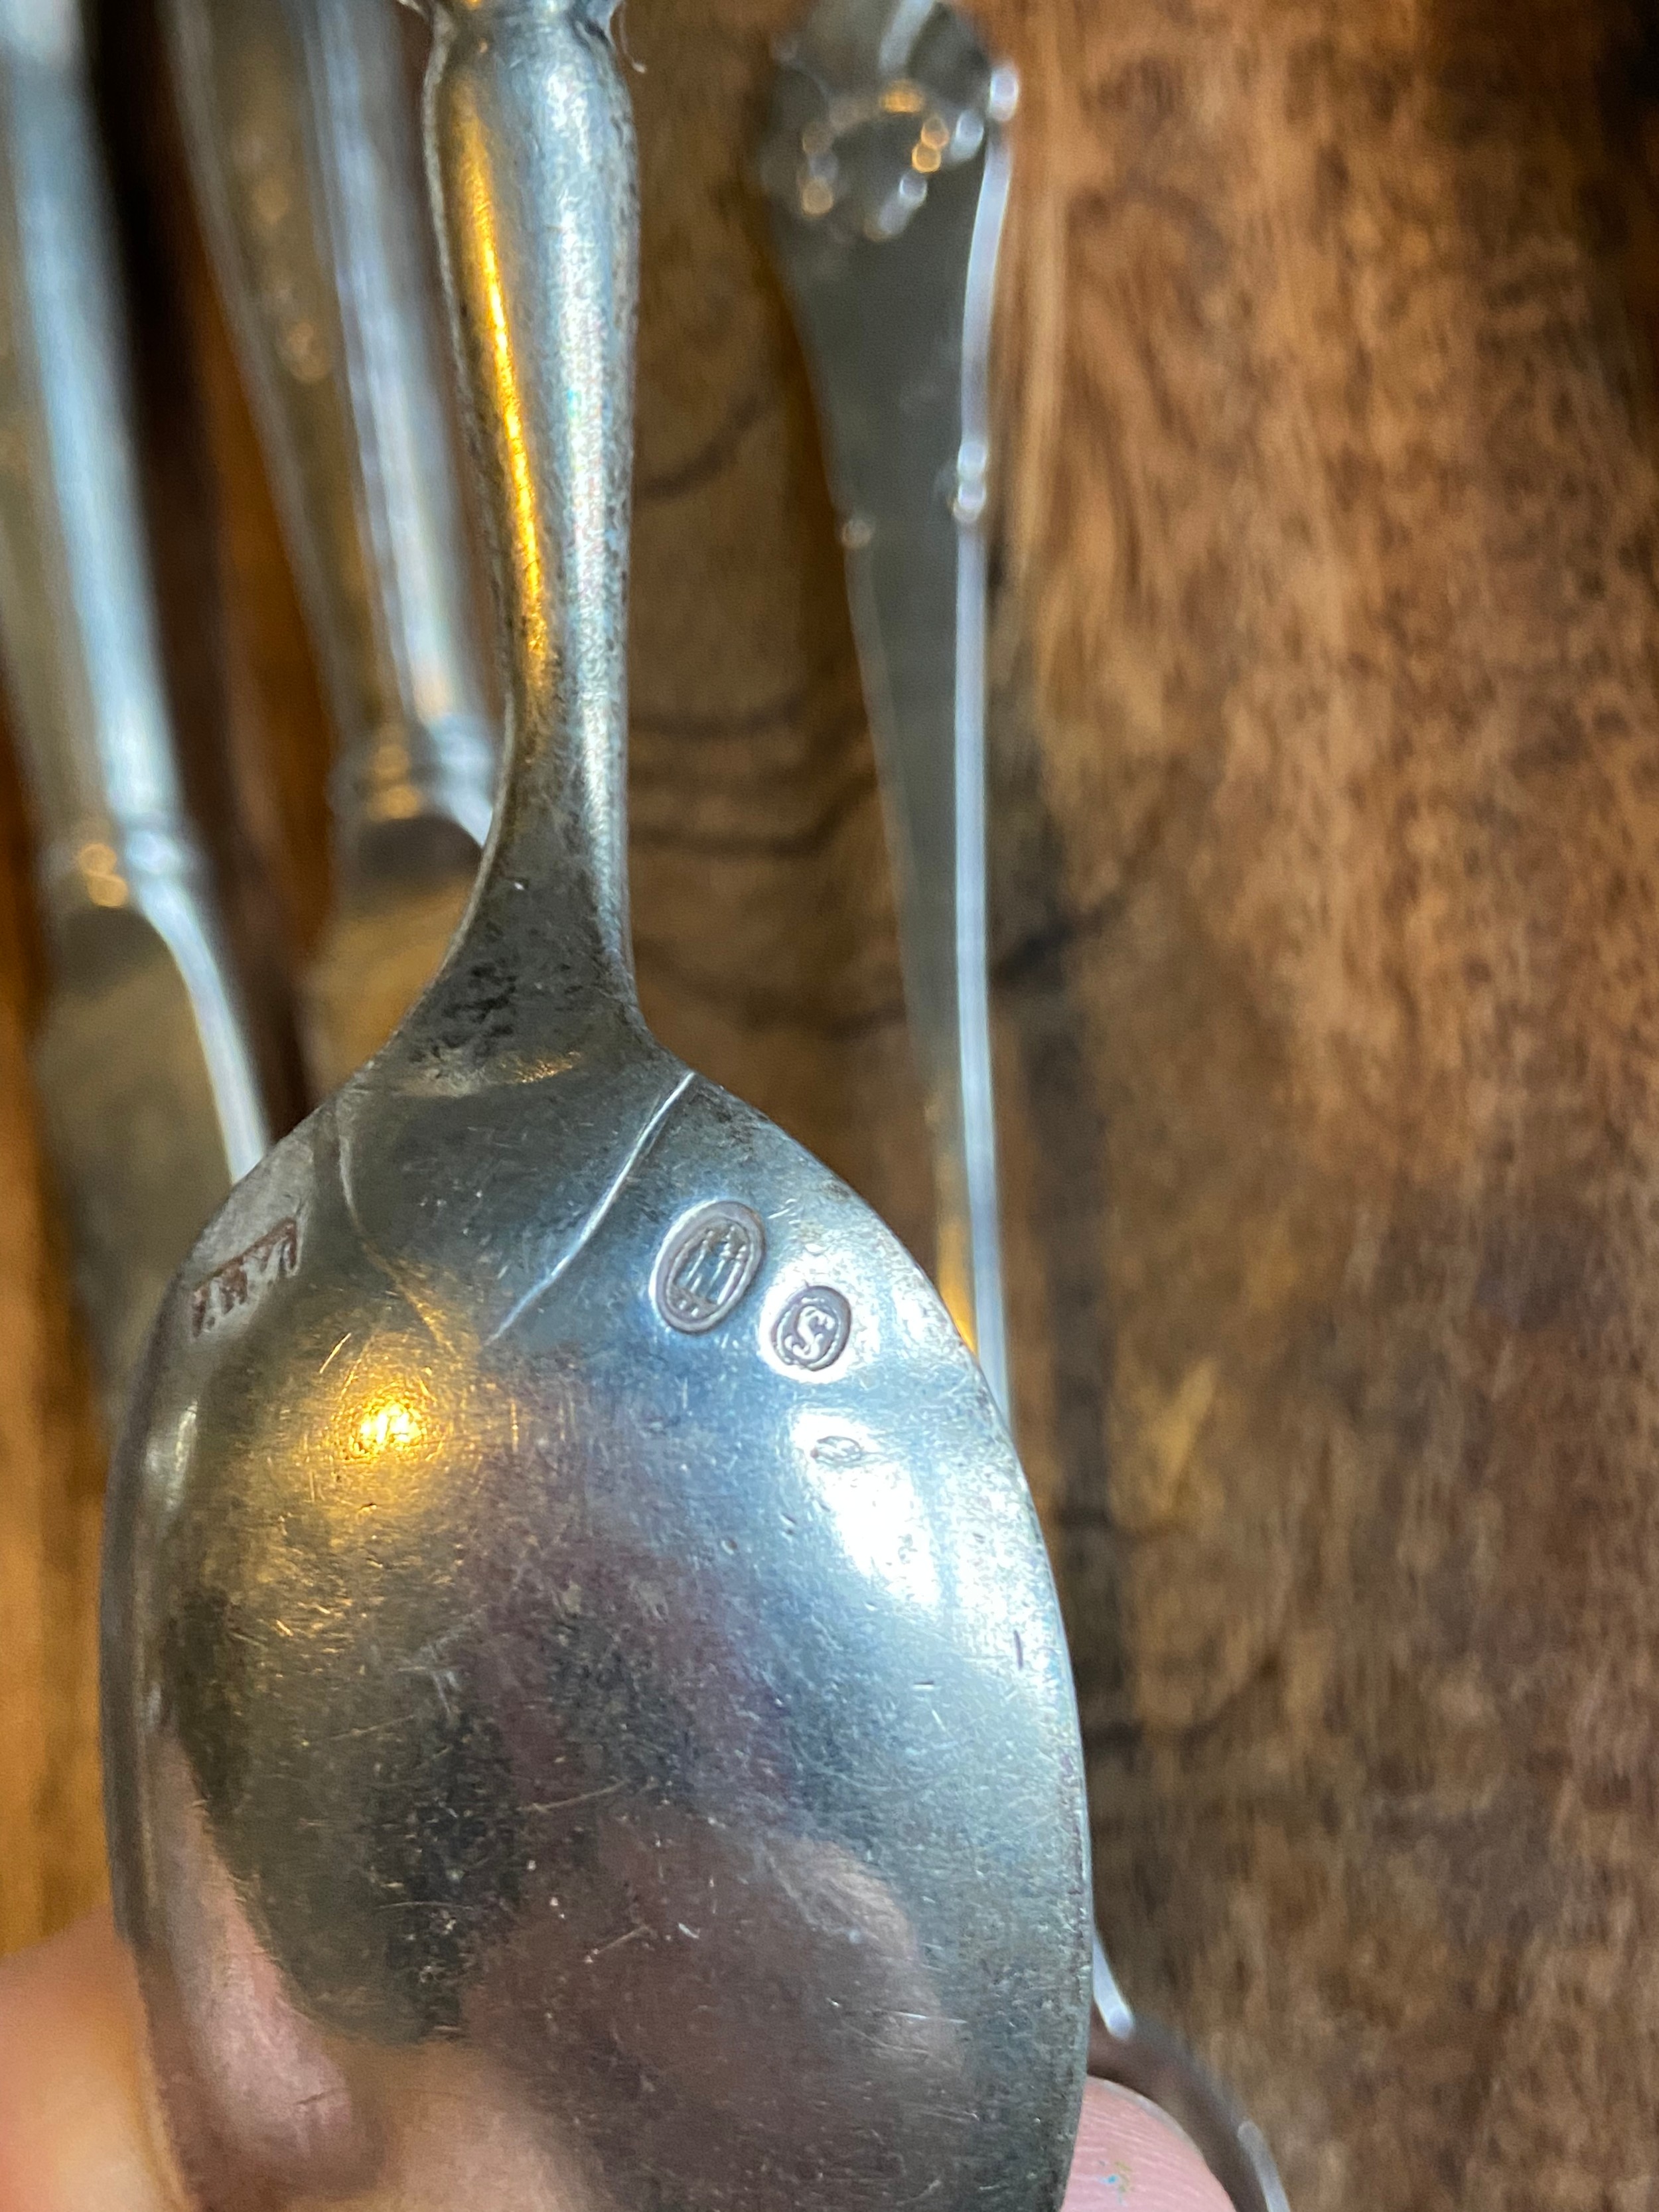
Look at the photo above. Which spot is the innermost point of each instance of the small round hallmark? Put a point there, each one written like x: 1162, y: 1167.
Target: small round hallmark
x: 812, y: 1331
x: 706, y: 1265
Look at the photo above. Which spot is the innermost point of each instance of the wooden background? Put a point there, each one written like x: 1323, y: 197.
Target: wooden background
x: 1326, y: 811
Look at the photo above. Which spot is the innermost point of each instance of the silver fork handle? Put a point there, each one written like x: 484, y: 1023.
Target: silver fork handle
x: 300, y: 119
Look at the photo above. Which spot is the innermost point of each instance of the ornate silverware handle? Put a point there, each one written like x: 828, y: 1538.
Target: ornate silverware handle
x: 148, y: 1083
x: 300, y: 119
x: 888, y: 173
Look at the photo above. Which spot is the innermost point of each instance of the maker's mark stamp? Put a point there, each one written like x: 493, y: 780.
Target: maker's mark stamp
x: 706, y: 1265
x: 267, y: 1260
x: 811, y: 1332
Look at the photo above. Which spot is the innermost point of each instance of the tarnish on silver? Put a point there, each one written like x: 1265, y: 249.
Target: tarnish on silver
x: 887, y: 169
x: 553, y: 1757
x: 151, y: 1098
x: 299, y: 119
x: 888, y: 172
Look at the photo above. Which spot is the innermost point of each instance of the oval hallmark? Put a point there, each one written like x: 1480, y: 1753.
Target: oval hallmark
x: 706, y: 1265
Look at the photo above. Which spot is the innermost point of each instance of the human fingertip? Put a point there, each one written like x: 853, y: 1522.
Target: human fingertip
x: 1130, y: 2157
x: 73, y: 2136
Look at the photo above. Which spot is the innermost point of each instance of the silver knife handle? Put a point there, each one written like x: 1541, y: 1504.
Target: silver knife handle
x: 78, y: 617
x: 146, y: 1080
x: 300, y: 117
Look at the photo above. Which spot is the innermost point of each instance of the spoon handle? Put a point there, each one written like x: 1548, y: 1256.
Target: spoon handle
x: 530, y: 151
x: 299, y: 117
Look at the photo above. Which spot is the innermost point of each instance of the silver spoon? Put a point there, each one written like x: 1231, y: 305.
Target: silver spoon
x: 150, y: 1093
x: 299, y: 119
x: 887, y: 169
x: 588, y: 1719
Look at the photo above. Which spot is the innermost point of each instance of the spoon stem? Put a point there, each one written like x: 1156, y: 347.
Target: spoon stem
x: 530, y: 149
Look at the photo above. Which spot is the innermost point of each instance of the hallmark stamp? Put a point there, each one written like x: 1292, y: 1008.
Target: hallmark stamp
x: 230, y: 1287
x: 811, y: 1332
x: 706, y: 1266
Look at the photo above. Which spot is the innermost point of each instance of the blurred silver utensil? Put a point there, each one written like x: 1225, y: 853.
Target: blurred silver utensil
x: 300, y: 119
x: 888, y: 174
x: 1146, y: 2057
x: 587, y: 1715
x: 887, y: 170
x: 151, y: 1100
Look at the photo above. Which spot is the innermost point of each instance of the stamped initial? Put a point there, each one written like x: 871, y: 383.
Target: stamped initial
x: 232, y: 1285
x: 812, y: 1331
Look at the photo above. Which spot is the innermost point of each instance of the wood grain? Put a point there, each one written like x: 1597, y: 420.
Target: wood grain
x: 1332, y: 620
x: 1326, y: 803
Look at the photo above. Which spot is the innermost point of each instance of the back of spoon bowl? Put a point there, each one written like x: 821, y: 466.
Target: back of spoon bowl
x: 668, y: 1728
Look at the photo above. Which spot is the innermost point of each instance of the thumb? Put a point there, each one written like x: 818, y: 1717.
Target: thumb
x: 73, y: 2136
x: 1130, y: 2157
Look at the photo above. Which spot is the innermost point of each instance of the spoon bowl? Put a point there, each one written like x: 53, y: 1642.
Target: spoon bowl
x: 587, y: 1715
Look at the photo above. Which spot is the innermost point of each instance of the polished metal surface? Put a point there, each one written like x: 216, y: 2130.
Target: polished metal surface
x: 887, y: 170
x: 299, y: 115
x: 151, y: 1100
x: 587, y: 1715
